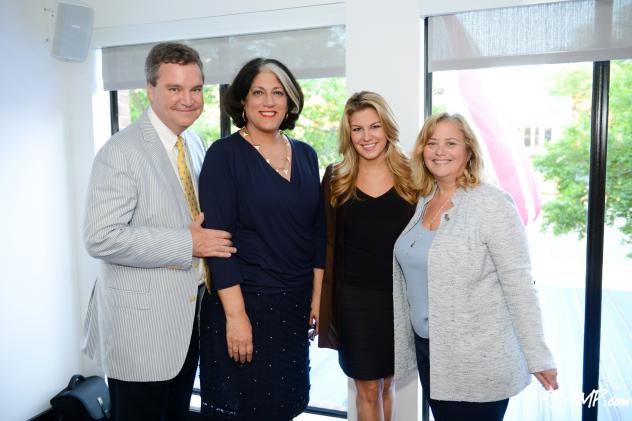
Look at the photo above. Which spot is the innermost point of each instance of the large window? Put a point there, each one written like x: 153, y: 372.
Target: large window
x: 547, y: 123
x: 316, y: 57
x: 488, y: 99
x: 554, y: 210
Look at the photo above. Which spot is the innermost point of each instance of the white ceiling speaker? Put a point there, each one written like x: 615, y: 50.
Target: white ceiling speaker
x: 73, y: 30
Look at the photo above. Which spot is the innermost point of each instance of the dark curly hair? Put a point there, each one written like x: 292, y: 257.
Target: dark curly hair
x: 236, y: 93
x: 170, y: 52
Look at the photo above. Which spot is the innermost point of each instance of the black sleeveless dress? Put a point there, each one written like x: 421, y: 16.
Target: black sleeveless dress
x: 364, y: 310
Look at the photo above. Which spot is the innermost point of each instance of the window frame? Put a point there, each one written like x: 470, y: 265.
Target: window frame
x: 594, y: 227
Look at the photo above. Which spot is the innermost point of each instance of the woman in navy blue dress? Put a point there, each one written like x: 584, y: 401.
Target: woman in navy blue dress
x: 263, y: 187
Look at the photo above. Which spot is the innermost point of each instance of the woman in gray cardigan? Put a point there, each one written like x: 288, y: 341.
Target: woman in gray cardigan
x: 466, y: 311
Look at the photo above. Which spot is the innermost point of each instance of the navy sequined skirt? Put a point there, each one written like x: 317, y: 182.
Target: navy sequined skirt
x: 275, y: 385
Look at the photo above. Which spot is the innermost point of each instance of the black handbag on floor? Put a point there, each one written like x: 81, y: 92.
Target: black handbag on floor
x: 85, y: 398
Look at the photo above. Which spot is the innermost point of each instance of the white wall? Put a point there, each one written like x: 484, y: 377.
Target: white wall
x: 118, y: 22
x: 119, y: 13
x: 383, y: 54
x: 39, y: 318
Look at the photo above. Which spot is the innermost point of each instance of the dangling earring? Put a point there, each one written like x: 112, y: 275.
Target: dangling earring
x: 286, y: 116
x: 243, y: 116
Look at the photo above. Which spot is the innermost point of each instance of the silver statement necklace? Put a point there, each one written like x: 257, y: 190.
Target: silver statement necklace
x: 287, y: 161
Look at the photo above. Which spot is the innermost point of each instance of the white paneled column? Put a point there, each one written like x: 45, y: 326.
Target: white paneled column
x: 383, y: 54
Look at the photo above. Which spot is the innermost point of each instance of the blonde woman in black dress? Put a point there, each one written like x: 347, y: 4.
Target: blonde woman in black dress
x: 369, y: 198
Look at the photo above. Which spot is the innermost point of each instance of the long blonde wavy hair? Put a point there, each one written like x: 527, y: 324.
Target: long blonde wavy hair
x: 345, y: 172
x: 473, y: 172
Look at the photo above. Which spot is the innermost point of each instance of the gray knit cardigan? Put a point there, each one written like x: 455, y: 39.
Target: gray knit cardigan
x: 485, y: 323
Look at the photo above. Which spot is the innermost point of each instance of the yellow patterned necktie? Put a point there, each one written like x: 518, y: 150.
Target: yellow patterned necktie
x: 189, y: 192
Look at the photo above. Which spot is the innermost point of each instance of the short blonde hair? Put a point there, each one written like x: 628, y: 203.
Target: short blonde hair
x: 473, y: 172
x: 345, y: 173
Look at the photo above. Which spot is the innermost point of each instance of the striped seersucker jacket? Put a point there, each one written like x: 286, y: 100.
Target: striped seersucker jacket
x: 139, y: 319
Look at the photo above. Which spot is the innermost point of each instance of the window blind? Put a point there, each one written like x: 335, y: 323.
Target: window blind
x: 308, y: 53
x: 563, y: 32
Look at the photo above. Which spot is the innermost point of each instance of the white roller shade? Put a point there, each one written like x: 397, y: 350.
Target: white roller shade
x: 571, y: 31
x: 308, y: 53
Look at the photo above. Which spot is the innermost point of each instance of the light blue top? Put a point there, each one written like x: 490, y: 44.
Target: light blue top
x: 411, y: 251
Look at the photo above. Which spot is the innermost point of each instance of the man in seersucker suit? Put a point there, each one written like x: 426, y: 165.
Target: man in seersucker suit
x: 142, y: 222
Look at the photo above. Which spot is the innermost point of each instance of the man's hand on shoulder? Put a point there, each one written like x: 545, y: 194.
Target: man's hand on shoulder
x: 209, y: 242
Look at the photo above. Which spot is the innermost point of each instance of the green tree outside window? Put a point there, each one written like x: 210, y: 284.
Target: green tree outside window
x: 207, y: 126
x: 564, y: 161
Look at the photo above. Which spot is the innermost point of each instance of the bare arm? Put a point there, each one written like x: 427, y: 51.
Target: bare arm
x: 315, y: 310
x: 238, y: 327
